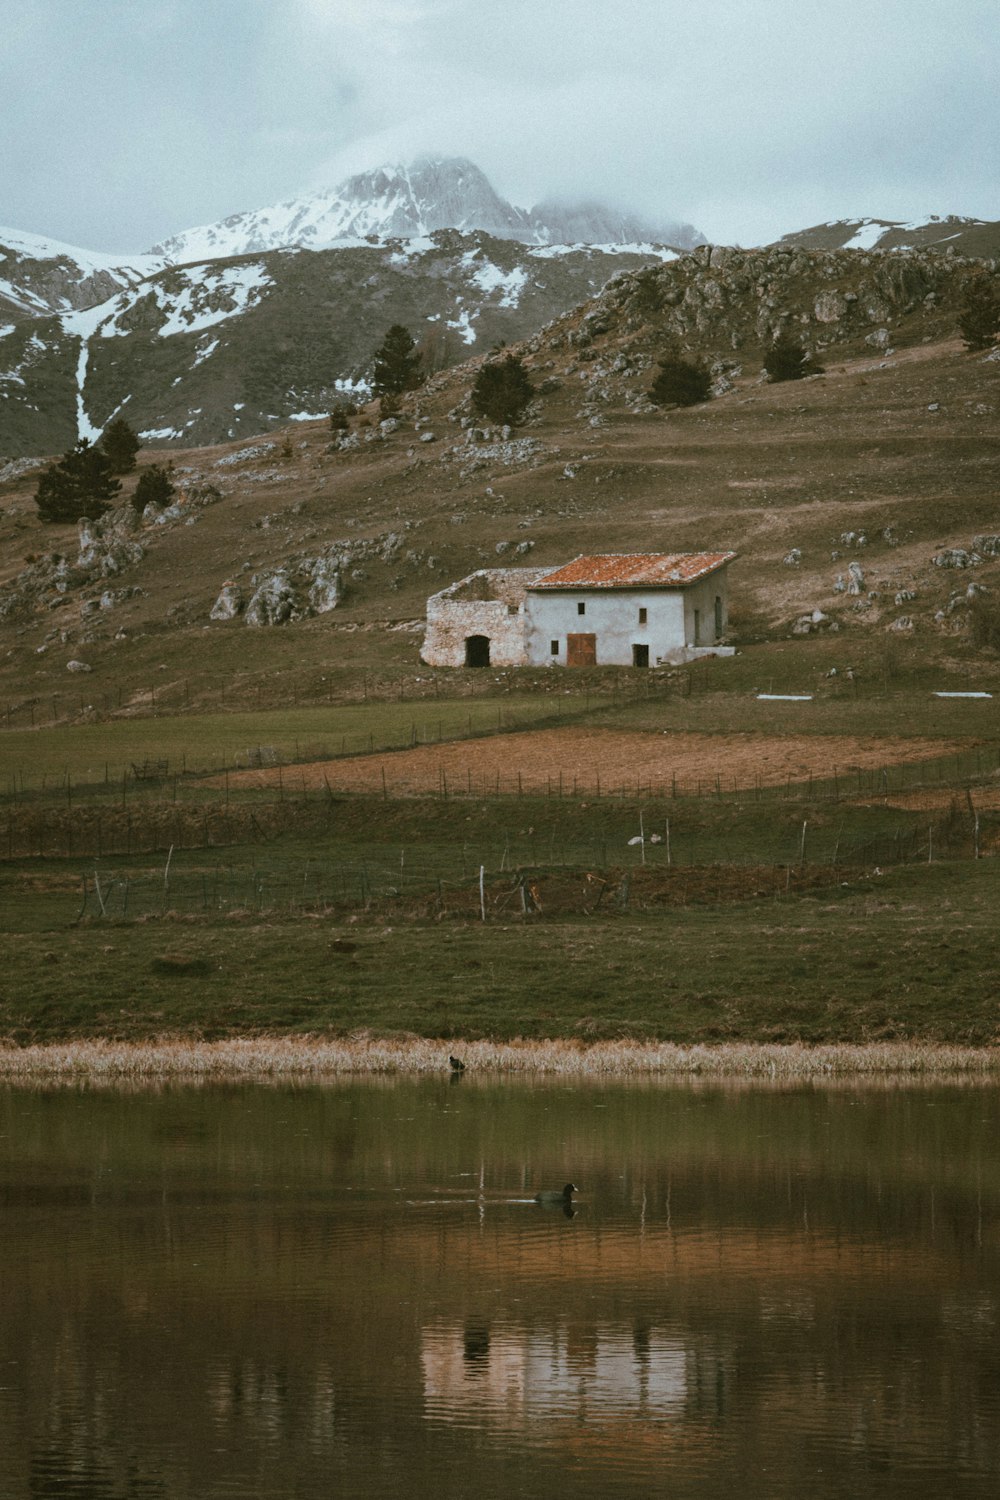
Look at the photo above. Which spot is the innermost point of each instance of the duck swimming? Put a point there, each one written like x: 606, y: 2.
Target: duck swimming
x: 553, y: 1199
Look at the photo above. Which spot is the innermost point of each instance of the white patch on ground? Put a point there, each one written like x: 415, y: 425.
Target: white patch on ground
x: 559, y: 252
x: 83, y: 325
x: 490, y: 278
x: 205, y: 353
x: 308, y: 416
x: 867, y: 235
x: 224, y: 293
x: 37, y: 247
x: 463, y: 326
x: 160, y: 433
x: 414, y: 247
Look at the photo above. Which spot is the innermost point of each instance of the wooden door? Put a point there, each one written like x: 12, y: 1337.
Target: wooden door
x: 581, y: 651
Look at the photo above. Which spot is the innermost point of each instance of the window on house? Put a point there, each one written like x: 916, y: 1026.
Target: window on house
x: 553, y: 648
x: 581, y: 608
x: 642, y: 617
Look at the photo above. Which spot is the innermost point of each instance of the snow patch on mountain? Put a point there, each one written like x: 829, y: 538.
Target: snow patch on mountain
x: 38, y: 247
x: 219, y: 293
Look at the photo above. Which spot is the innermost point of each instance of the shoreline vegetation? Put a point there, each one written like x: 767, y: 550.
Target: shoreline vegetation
x: 306, y: 1059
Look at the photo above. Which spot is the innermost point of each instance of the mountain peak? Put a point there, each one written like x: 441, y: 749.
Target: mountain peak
x: 410, y: 201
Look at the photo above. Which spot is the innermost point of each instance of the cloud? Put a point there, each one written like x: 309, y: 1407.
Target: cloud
x: 748, y: 117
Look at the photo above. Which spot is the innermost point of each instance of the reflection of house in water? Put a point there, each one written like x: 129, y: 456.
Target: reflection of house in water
x: 514, y: 1375
x: 608, y: 610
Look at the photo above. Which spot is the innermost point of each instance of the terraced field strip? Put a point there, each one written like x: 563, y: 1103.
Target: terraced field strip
x: 594, y: 761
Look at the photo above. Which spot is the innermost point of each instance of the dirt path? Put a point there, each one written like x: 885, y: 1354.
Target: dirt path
x: 606, y: 760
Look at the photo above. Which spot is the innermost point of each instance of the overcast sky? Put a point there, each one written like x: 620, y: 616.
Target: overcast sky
x: 129, y: 120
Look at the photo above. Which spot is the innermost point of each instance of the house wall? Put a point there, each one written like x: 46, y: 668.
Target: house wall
x: 701, y: 597
x: 489, y: 603
x: 521, y: 625
x: 613, y: 616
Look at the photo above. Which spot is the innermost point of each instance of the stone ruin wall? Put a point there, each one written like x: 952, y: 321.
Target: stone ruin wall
x: 489, y: 603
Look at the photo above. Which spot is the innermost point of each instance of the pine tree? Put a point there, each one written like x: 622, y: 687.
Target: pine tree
x: 121, y: 445
x: 79, y: 486
x: 396, y: 365
x: 502, y: 389
x: 787, y: 360
x: 979, y: 318
x: 155, y: 487
x: 680, y: 382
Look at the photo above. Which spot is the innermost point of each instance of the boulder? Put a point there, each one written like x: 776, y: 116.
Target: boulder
x: 229, y: 603
x: 325, y: 588
x: 829, y: 307
x: 274, y: 600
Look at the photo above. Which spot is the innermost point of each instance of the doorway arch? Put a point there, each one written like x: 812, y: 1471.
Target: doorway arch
x: 477, y: 651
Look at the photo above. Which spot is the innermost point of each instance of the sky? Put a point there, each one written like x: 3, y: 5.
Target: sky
x: 125, y: 121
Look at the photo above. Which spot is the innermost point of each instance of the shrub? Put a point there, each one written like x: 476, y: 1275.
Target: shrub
x: 979, y: 318
x: 155, y: 487
x: 984, y: 620
x: 787, y: 360
x: 680, y: 382
x: 502, y: 390
x: 340, y: 417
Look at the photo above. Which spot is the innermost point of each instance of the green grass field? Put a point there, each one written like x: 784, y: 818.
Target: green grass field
x: 802, y: 913
x: 909, y: 954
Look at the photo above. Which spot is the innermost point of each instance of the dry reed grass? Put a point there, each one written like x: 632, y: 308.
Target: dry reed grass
x: 303, y: 1058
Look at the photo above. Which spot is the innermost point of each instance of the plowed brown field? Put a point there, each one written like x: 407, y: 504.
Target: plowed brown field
x: 591, y: 760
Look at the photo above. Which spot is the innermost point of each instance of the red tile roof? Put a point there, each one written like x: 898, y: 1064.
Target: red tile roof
x: 627, y: 570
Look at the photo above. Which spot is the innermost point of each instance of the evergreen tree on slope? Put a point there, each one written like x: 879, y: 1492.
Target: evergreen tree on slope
x: 502, y: 389
x: 120, y: 444
x: 396, y: 364
x: 79, y: 486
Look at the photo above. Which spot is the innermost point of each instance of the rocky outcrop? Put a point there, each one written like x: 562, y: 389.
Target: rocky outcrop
x: 302, y: 586
x: 719, y: 298
x: 107, y: 548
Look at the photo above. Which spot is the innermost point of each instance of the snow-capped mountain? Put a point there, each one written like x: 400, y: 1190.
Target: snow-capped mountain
x: 39, y: 275
x: 975, y: 237
x: 410, y: 202
x: 202, y: 352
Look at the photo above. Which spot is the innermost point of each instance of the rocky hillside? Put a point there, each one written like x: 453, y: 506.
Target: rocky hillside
x: 412, y: 201
x: 726, y: 305
x: 975, y: 237
x: 39, y: 276
x: 204, y: 353
x: 862, y: 503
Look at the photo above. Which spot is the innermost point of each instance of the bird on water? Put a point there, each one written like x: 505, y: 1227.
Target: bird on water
x: 457, y: 1065
x: 556, y: 1199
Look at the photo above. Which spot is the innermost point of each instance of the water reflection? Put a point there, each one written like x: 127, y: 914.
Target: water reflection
x: 521, y: 1376
x: 351, y: 1290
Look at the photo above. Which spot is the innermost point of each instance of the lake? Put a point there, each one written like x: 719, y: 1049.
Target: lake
x: 348, y: 1290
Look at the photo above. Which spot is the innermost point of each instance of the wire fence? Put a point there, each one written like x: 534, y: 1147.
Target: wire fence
x: 489, y: 879
x: 154, y: 805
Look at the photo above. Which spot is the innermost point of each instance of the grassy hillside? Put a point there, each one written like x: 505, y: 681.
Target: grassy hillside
x: 841, y: 892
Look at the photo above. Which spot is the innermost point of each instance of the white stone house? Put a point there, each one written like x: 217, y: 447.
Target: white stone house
x: 610, y: 609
